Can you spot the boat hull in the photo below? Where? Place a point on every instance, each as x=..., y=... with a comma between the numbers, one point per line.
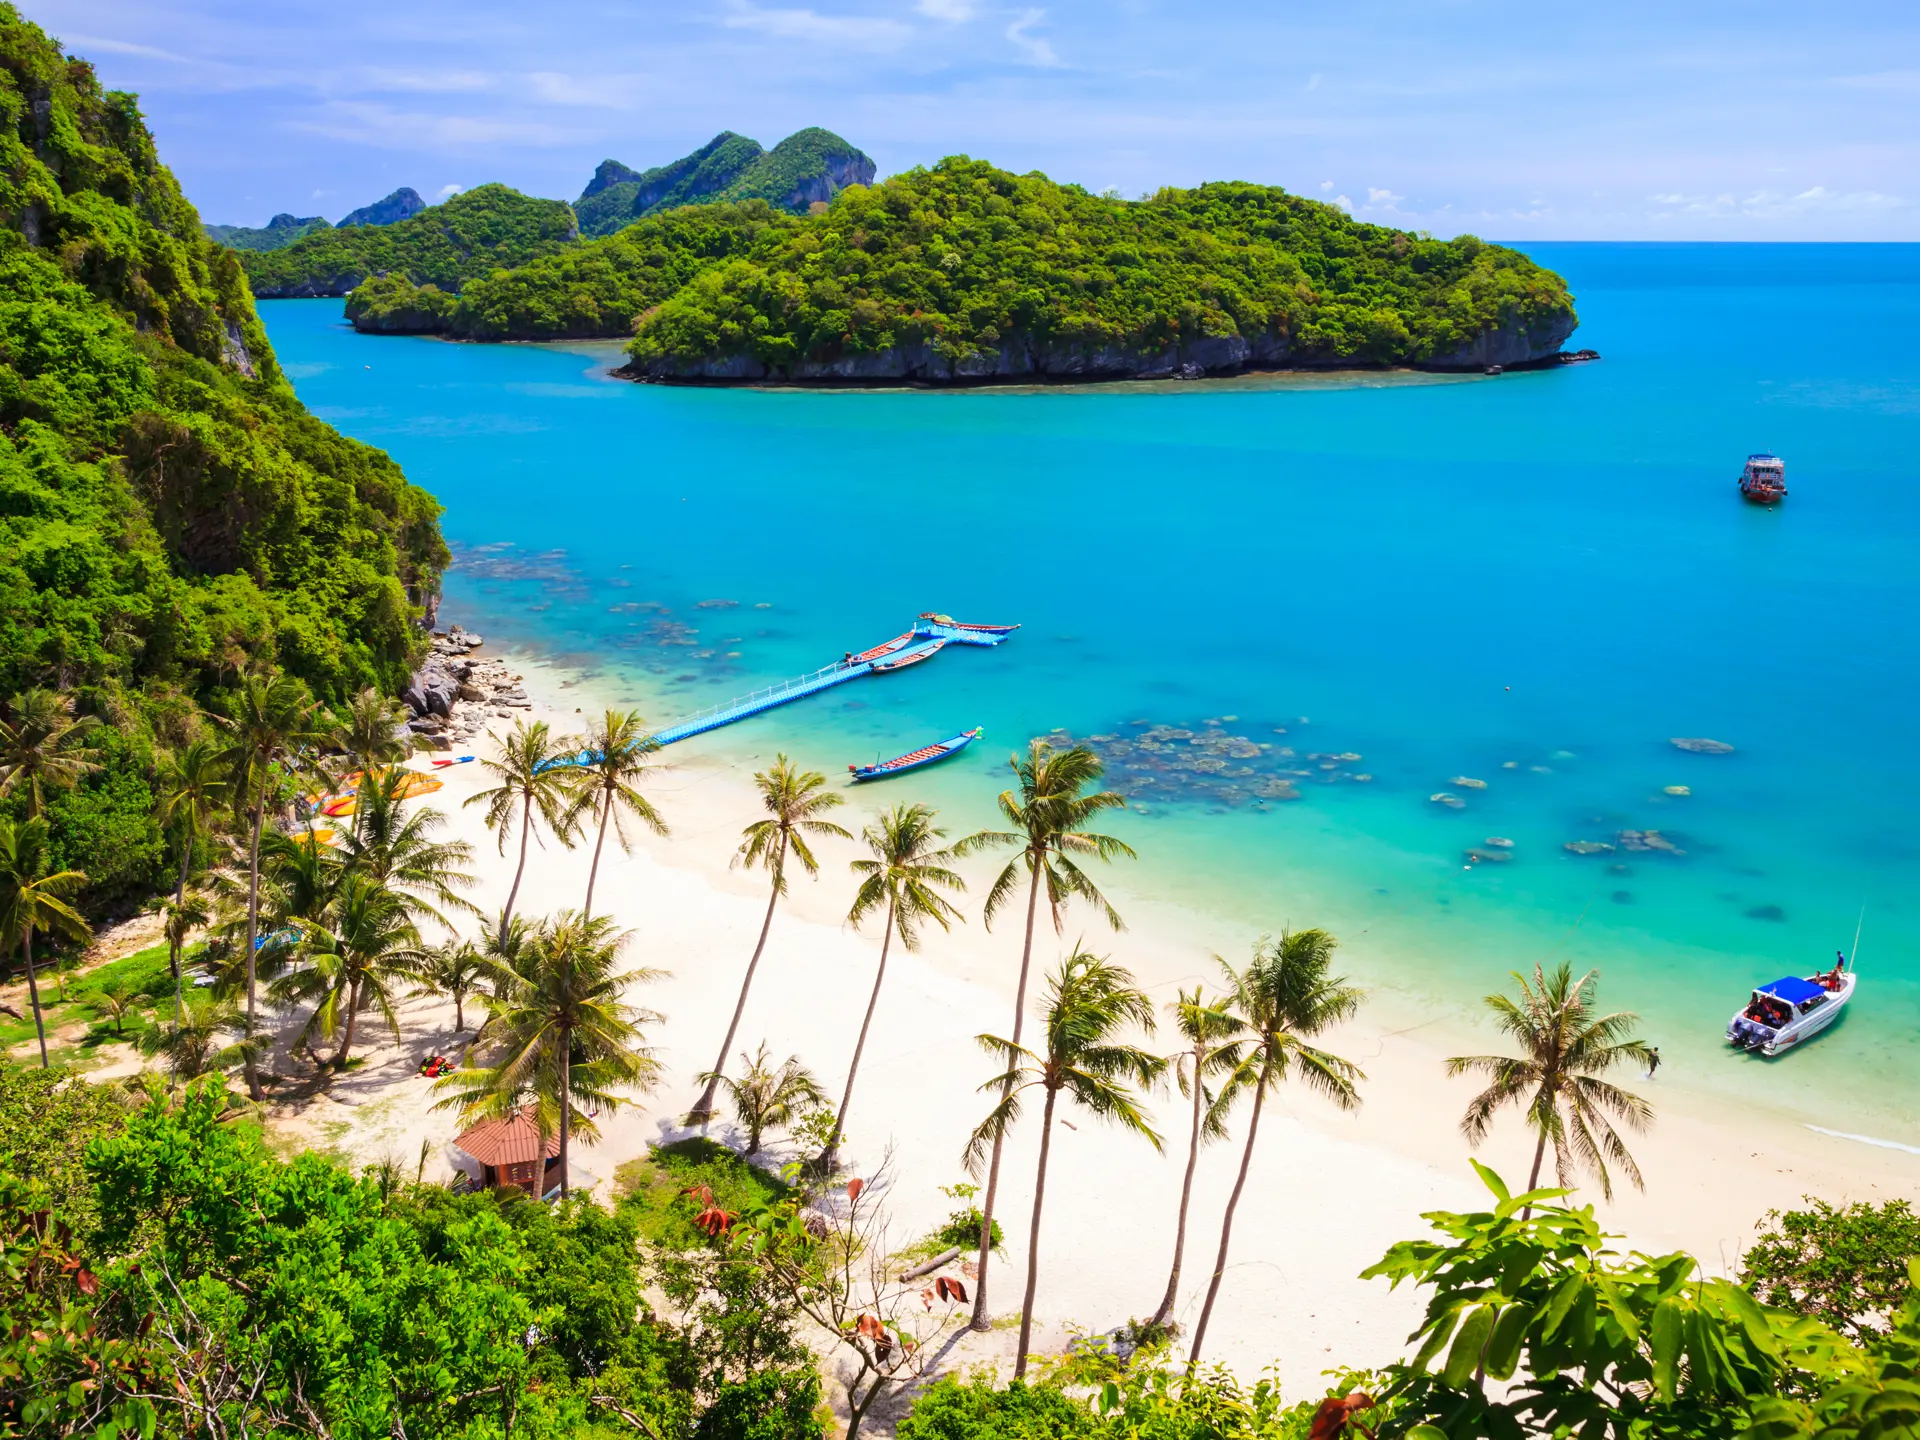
x=916, y=759
x=1803, y=1027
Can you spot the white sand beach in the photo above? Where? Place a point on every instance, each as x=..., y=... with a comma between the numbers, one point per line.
x=1328, y=1192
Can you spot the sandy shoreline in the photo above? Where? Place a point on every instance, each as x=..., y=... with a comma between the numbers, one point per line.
x=1327, y=1193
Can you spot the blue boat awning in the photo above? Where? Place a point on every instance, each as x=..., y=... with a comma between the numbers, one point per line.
x=1792, y=989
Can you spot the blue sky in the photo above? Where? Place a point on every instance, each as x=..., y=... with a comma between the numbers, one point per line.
x=1627, y=120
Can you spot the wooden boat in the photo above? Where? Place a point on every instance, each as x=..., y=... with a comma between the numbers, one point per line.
x=1763, y=481
x=914, y=759
x=914, y=656
x=950, y=623
x=1786, y=1012
x=880, y=651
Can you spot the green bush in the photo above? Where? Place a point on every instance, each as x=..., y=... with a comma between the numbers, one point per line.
x=654, y=1190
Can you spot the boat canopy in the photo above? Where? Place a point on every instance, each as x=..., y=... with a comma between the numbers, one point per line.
x=1793, y=990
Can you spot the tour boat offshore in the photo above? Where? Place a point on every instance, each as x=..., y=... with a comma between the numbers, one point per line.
x=1763, y=481
x=1791, y=1009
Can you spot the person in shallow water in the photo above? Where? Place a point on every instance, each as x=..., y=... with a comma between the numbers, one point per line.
x=1653, y=1060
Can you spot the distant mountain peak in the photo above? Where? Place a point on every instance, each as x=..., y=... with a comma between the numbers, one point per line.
x=809, y=165
x=402, y=204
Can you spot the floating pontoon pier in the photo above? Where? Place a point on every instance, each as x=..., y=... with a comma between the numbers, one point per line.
x=931, y=633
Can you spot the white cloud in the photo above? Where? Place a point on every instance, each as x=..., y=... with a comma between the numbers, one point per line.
x=370, y=123
x=600, y=92
x=428, y=82
x=1773, y=204
x=81, y=43
x=1343, y=202
x=446, y=191
x=955, y=11
x=1038, y=50
x=1326, y=185
x=866, y=32
x=1384, y=199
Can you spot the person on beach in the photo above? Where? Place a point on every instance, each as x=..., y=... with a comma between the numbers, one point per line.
x=1653, y=1060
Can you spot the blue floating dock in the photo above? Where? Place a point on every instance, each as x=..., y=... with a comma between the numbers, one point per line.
x=930, y=634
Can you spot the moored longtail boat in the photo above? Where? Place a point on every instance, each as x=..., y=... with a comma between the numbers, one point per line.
x=912, y=656
x=914, y=759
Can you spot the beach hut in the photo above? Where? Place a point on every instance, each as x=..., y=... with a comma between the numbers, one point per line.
x=511, y=1152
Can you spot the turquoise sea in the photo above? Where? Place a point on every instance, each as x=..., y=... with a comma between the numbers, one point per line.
x=1535, y=580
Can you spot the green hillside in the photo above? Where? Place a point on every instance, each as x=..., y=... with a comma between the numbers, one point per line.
x=445, y=245
x=278, y=233
x=968, y=271
x=172, y=514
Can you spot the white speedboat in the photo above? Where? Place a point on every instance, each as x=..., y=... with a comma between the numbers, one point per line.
x=1791, y=1010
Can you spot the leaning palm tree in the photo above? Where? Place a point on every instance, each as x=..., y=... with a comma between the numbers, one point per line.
x=531, y=779
x=395, y=845
x=196, y=1044
x=34, y=898
x=905, y=875
x=373, y=731
x=1286, y=997
x=363, y=949
x=606, y=785
x=1564, y=1049
x=272, y=719
x=795, y=801
x=1207, y=1025
x=1089, y=1001
x=765, y=1098
x=38, y=748
x=1049, y=810
x=565, y=1041
x=192, y=790
x=454, y=969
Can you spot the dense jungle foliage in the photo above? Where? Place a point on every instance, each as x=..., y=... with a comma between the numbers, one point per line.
x=278, y=233
x=446, y=245
x=170, y=514
x=964, y=256
x=166, y=1274
x=810, y=165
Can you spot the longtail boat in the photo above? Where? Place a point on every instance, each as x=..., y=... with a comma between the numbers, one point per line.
x=880, y=651
x=912, y=656
x=914, y=759
x=949, y=623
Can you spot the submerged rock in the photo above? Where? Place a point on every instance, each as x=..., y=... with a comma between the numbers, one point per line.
x=1499, y=842
x=1463, y=782
x=1452, y=802
x=1696, y=746
x=1587, y=847
x=1678, y=790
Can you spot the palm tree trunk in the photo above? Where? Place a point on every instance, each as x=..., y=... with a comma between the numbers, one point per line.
x=1539, y=1154
x=253, y=932
x=1033, y=1237
x=703, y=1107
x=593, y=873
x=979, y=1320
x=566, y=1119
x=174, y=941
x=830, y=1155
x=526, y=825
x=1226, y=1225
x=1165, y=1312
x=353, y=1014
x=33, y=990
x=459, y=1015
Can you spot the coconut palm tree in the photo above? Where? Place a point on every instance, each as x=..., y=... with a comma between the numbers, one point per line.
x=530, y=781
x=1049, y=809
x=272, y=719
x=454, y=969
x=192, y=790
x=396, y=847
x=196, y=1044
x=764, y=1098
x=117, y=1001
x=606, y=785
x=374, y=731
x=32, y=898
x=1089, y=1001
x=795, y=801
x=564, y=1038
x=364, y=946
x=1286, y=996
x=905, y=874
x=38, y=748
x=1207, y=1025
x=1564, y=1049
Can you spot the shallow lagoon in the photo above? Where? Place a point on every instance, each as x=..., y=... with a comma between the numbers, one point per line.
x=1534, y=580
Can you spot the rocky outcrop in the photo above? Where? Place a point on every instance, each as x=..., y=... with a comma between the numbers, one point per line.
x=454, y=694
x=402, y=204
x=840, y=171
x=1017, y=359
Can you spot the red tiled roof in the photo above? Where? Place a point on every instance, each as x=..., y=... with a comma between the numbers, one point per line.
x=512, y=1141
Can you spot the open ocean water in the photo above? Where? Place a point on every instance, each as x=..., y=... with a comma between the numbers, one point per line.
x=1535, y=581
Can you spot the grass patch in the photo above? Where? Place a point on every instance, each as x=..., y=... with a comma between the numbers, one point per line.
x=143, y=975
x=651, y=1188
